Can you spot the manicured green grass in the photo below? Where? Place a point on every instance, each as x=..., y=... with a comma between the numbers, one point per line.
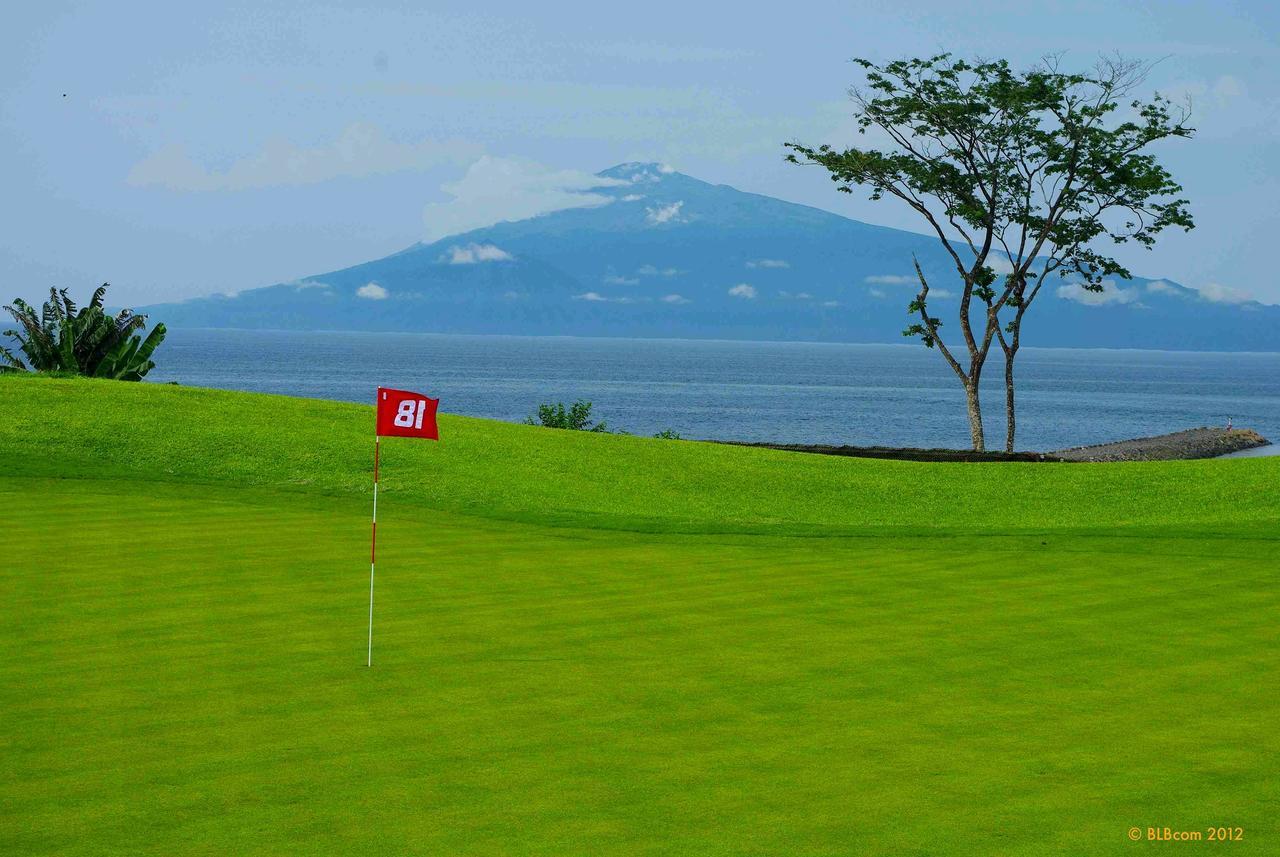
x=513, y=472
x=598, y=645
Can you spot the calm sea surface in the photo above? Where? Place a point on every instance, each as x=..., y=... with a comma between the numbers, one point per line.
x=898, y=395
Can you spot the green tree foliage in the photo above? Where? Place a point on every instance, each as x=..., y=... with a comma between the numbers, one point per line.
x=1020, y=175
x=577, y=417
x=9, y=361
x=83, y=341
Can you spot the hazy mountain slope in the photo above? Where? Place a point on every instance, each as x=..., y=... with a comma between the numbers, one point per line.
x=670, y=255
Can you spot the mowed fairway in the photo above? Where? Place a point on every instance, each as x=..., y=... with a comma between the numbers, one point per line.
x=661, y=661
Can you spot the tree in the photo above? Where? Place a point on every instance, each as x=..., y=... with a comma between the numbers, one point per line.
x=577, y=417
x=1023, y=170
x=84, y=341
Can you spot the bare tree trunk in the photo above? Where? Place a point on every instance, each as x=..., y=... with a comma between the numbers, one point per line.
x=975, y=416
x=1010, y=410
x=928, y=328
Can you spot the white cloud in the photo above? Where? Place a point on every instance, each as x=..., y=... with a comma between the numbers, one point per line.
x=999, y=264
x=596, y=297
x=742, y=290
x=674, y=299
x=511, y=296
x=941, y=294
x=1113, y=294
x=796, y=296
x=1213, y=292
x=1220, y=294
x=615, y=280
x=1110, y=294
x=665, y=213
x=632, y=197
x=768, y=263
x=831, y=303
x=494, y=190
x=1221, y=92
x=372, y=291
x=360, y=150
x=652, y=271
x=473, y=254
x=875, y=293
x=303, y=285
x=890, y=280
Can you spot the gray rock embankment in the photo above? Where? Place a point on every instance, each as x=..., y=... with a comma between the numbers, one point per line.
x=1194, y=443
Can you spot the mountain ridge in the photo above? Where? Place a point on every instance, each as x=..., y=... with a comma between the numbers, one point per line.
x=662, y=254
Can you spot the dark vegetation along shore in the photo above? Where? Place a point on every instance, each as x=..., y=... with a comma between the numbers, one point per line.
x=1182, y=445
x=899, y=453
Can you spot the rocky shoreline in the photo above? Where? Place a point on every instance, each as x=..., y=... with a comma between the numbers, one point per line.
x=1207, y=442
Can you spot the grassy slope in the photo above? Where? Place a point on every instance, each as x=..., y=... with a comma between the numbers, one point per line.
x=518, y=473
x=182, y=668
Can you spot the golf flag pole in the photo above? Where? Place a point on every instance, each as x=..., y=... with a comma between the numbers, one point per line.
x=373, y=539
x=399, y=413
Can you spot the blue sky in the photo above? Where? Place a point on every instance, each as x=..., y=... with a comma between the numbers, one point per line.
x=216, y=147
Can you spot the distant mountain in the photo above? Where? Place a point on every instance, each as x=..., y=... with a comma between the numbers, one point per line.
x=672, y=256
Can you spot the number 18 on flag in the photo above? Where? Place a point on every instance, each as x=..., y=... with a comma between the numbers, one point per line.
x=405, y=414
x=399, y=414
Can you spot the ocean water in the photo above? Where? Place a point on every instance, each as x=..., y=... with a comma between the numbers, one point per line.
x=896, y=395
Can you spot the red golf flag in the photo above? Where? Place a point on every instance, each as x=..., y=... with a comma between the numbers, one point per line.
x=405, y=414
x=399, y=414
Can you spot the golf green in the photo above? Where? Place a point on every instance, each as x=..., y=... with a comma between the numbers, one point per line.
x=610, y=645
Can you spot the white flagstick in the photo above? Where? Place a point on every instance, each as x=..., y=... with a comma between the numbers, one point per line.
x=373, y=541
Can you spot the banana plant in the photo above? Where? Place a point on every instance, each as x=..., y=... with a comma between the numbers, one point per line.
x=131, y=359
x=83, y=341
x=9, y=361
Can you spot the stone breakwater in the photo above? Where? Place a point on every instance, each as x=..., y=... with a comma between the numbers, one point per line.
x=1192, y=443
